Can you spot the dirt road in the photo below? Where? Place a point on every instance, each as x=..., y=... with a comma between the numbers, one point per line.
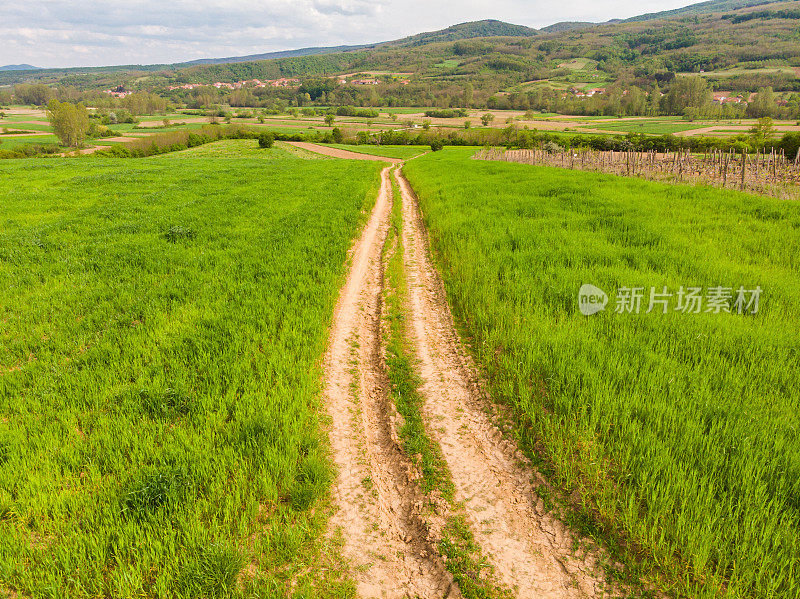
x=385, y=540
x=391, y=551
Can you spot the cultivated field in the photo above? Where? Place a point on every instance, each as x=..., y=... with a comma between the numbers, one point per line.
x=162, y=325
x=673, y=434
x=230, y=371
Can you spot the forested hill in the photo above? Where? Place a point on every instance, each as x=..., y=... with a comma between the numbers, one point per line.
x=462, y=31
x=713, y=6
x=739, y=49
x=762, y=42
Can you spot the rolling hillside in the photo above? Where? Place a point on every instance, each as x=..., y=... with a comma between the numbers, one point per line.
x=750, y=45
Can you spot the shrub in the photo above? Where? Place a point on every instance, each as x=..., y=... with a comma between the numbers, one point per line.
x=173, y=234
x=153, y=490
x=446, y=113
x=436, y=145
x=266, y=140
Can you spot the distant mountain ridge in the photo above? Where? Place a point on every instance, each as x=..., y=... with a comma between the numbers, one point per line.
x=19, y=67
x=281, y=54
x=469, y=30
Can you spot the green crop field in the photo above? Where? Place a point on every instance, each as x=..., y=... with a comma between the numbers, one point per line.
x=646, y=126
x=677, y=433
x=162, y=324
x=26, y=126
x=403, y=110
x=782, y=70
x=12, y=142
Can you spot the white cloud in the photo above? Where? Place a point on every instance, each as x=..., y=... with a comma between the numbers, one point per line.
x=59, y=33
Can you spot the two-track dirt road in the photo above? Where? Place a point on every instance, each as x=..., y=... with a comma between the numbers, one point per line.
x=386, y=541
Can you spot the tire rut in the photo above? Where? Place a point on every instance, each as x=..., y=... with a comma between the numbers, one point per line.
x=385, y=540
x=532, y=552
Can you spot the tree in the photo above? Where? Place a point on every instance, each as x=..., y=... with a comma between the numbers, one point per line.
x=469, y=95
x=329, y=119
x=654, y=101
x=685, y=92
x=266, y=140
x=762, y=131
x=37, y=94
x=487, y=118
x=70, y=122
x=763, y=104
x=436, y=145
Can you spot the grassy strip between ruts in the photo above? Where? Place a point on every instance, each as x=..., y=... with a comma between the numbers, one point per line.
x=463, y=558
x=675, y=434
x=161, y=327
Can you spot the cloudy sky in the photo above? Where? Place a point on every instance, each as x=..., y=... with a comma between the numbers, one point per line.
x=59, y=33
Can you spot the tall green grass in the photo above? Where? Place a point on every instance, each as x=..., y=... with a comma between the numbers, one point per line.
x=677, y=435
x=161, y=329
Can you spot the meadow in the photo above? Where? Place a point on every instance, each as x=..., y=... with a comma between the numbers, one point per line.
x=673, y=435
x=162, y=323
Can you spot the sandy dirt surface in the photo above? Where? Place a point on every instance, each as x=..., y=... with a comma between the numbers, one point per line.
x=378, y=500
x=337, y=153
x=532, y=551
x=33, y=112
x=84, y=151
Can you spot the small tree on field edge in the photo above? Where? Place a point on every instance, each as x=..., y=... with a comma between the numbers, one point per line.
x=70, y=122
x=436, y=145
x=266, y=140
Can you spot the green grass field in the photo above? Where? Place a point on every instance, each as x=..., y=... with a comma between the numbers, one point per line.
x=162, y=325
x=675, y=434
x=233, y=148
x=449, y=63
